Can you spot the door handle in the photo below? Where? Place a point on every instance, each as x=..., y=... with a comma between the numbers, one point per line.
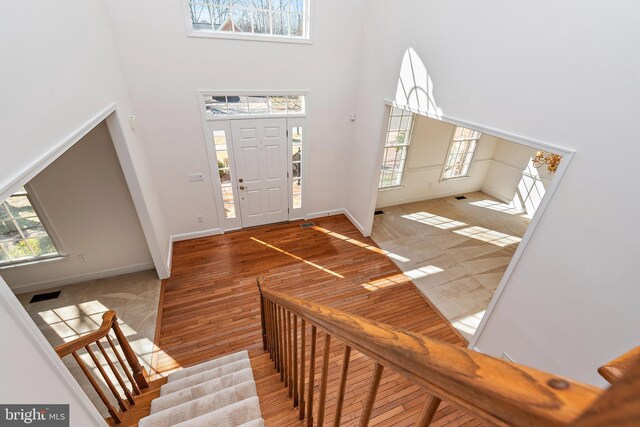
x=242, y=187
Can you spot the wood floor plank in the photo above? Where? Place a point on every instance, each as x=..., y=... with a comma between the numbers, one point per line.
x=211, y=308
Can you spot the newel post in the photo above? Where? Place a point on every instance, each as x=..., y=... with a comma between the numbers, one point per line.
x=139, y=373
x=260, y=282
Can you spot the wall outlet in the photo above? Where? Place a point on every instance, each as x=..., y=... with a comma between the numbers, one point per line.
x=195, y=177
x=199, y=219
x=82, y=257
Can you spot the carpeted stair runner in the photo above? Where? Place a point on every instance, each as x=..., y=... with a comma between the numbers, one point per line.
x=220, y=392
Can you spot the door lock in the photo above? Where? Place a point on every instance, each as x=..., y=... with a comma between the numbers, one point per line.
x=241, y=180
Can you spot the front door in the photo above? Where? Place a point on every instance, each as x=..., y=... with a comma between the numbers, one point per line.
x=260, y=152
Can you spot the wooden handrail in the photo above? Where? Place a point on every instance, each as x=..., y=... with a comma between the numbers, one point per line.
x=135, y=373
x=497, y=391
x=614, y=370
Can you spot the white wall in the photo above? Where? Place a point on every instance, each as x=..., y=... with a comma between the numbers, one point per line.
x=59, y=71
x=560, y=73
x=85, y=198
x=164, y=68
x=506, y=167
x=428, y=150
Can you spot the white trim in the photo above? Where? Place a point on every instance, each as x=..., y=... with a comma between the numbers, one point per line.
x=121, y=145
x=423, y=198
x=170, y=256
x=195, y=235
x=29, y=329
x=439, y=166
x=333, y=212
x=308, y=15
x=70, y=280
x=40, y=164
x=42, y=213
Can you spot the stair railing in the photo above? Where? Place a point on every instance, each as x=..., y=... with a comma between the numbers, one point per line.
x=135, y=373
x=497, y=391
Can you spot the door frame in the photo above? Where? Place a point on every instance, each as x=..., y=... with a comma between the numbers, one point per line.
x=223, y=123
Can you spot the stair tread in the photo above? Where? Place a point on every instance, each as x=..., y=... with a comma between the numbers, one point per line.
x=201, y=406
x=210, y=364
x=200, y=390
x=205, y=376
x=233, y=415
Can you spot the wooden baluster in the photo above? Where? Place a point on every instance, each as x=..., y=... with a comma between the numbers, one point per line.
x=267, y=322
x=112, y=411
x=343, y=384
x=371, y=398
x=274, y=326
x=282, y=340
x=263, y=323
x=295, y=361
x=113, y=388
x=286, y=348
x=289, y=354
x=312, y=374
x=134, y=387
x=127, y=393
x=428, y=411
x=139, y=373
x=323, y=380
x=303, y=350
x=270, y=330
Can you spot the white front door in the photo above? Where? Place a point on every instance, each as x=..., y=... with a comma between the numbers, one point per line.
x=260, y=152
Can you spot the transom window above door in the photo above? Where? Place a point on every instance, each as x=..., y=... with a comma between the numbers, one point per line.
x=226, y=106
x=287, y=20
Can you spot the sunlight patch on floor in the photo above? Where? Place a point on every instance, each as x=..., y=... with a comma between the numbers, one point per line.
x=489, y=236
x=402, y=278
x=319, y=267
x=510, y=208
x=469, y=324
x=440, y=222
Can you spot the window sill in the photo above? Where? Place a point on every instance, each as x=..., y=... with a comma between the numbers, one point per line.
x=395, y=187
x=455, y=178
x=231, y=36
x=34, y=262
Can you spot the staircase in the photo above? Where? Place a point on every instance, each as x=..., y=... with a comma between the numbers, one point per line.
x=220, y=392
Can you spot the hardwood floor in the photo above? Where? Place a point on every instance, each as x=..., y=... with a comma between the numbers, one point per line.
x=210, y=308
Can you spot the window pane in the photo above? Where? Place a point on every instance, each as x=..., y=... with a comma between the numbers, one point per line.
x=225, y=175
x=297, y=170
x=8, y=231
x=216, y=105
x=17, y=250
x=229, y=210
x=297, y=194
x=220, y=16
x=240, y=21
x=296, y=134
x=296, y=25
x=461, y=150
x=238, y=105
x=3, y=257
x=220, y=140
x=295, y=104
x=19, y=206
x=258, y=105
x=223, y=159
x=3, y=211
x=280, y=24
x=296, y=153
x=261, y=22
x=278, y=104
x=200, y=16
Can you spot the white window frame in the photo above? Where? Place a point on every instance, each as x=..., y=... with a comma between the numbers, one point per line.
x=49, y=229
x=466, y=165
x=223, y=123
x=305, y=39
x=409, y=135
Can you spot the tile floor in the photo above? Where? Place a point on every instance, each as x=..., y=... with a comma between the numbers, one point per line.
x=455, y=251
x=79, y=308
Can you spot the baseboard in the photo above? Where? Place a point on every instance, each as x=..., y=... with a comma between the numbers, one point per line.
x=355, y=222
x=195, y=235
x=423, y=198
x=320, y=214
x=33, y=287
x=495, y=195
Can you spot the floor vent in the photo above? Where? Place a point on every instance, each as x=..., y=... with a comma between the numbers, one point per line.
x=378, y=212
x=308, y=224
x=45, y=297
x=460, y=197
